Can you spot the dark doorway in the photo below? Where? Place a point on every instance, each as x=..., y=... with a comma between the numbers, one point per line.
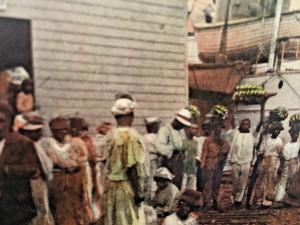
x=15, y=44
x=15, y=51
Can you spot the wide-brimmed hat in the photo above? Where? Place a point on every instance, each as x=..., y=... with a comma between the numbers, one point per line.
x=184, y=116
x=163, y=173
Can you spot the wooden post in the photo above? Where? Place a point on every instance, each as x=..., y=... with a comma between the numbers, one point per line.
x=262, y=111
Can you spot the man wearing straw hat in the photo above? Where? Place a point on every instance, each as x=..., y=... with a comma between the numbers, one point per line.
x=170, y=144
x=166, y=192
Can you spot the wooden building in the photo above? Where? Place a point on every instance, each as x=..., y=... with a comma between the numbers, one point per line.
x=82, y=52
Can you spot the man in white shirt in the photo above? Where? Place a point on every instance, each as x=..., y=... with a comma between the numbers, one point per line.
x=240, y=157
x=152, y=158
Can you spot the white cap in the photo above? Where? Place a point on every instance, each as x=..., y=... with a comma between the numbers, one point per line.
x=184, y=116
x=163, y=172
x=123, y=106
x=152, y=120
x=30, y=126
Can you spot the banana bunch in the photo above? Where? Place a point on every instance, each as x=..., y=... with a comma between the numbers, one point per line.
x=219, y=110
x=279, y=114
x=295, y=118
x=195, y=112
x=295, y=122
x=248, y=90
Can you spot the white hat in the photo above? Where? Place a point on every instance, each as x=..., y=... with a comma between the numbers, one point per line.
x=164, y=173
x=123, y=106
x=184, y=116
x=30, y=126
x=152, y=120
x=34, y=122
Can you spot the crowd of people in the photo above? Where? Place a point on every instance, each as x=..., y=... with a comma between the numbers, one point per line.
x=119, y=177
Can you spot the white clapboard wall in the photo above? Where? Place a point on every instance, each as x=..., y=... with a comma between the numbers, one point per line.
x=84, y=51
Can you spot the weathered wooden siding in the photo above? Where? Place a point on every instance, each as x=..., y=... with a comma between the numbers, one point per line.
x=84, y=51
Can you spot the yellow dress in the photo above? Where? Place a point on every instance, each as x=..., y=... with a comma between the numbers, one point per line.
x=124, y=150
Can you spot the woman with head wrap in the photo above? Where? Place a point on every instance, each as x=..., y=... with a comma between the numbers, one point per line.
x=290, y=158
x=68, y=195
x=270, y=149
x=125, y=172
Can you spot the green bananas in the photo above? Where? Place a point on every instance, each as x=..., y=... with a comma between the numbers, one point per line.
x=219, y=110
x=194, y=110
x=248, y=90
x=295, y=118
x=279, y=113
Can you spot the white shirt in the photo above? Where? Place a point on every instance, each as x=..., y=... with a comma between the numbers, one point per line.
x=174, y=220
x=271, y=146
x=291, y=150
x=45, y=160
x=150, y=141
x=2, y=142
x=60, y=154
x=168, y=140
x=200, y=140
x=241, y=150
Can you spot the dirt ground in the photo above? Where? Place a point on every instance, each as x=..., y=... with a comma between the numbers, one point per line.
x=284, y=216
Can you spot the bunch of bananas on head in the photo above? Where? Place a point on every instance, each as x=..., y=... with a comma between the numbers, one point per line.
x=248, y=90
x=195, y=112
x=279, y=114
x=295, y=122
x=219, y=111
x=295, y=118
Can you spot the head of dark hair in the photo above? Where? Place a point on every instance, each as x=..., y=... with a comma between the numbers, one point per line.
x=246, y=120
x=26, y=82
x=59, y=122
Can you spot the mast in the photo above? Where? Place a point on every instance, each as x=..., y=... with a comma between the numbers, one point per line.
x=223, y=43
x=275, y=35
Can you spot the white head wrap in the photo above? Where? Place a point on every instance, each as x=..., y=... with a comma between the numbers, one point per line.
x=123, y=106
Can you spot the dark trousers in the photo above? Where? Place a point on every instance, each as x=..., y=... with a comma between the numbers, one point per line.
x=199, y=177
x=212, y=182
x=175, y=165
